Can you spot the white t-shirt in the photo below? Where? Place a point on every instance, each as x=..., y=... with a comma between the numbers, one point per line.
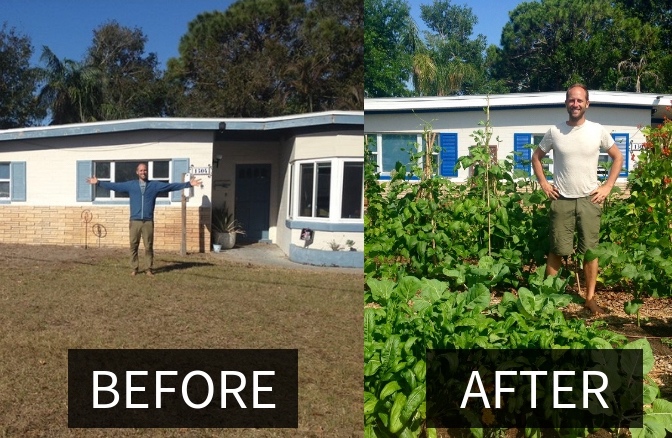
x=576, y=151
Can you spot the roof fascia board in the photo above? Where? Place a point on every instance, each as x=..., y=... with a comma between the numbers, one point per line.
x=424, y=104
x=274, y=123
x=503, y=107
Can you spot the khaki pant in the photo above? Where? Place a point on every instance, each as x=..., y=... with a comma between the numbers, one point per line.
x=570, y=214
x=144, y=229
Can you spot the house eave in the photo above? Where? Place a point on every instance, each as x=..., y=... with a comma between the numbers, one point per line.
x=188, y=124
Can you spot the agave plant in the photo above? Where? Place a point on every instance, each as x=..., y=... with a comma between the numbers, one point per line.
x=224, y=222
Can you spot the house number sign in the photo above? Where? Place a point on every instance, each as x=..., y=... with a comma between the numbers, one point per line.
x=203, y=170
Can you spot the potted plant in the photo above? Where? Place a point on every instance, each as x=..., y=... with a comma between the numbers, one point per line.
x=224, y=228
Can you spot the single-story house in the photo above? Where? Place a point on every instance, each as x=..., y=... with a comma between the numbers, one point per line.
x=518, y=121
x=295, y=181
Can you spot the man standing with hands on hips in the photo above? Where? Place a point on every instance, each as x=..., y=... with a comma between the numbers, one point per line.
x=577, y=195
x=142, y=193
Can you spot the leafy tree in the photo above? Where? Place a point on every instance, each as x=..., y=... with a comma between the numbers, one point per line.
x=232, y=62
x=389, y=34
x=656, y=13
x=72, y=90
x=130, y=79
x=614, y=45
x=115, y=81
x=18, y=81
x=451, y=62
x=328, y=72
x=549, y=44
x=646, y=58
x=266, y=58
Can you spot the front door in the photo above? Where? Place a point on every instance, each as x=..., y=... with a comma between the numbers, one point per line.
x=253, y=200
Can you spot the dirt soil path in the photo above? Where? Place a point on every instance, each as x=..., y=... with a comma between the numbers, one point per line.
x=655, y=326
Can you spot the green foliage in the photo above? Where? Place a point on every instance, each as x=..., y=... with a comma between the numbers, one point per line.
x=426, y=226
x=312, y=55
x=544, y=50
x=18, y=81
x=387, y=60
x=130, y=81
x=72, y=90
x=435, y=252
x=651, y=187
x=402, y=319
x=636, y=249
x=224, y=222
x=117, y=80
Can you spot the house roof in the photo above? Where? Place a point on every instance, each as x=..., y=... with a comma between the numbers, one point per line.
x=556, y=98
x=307, y=120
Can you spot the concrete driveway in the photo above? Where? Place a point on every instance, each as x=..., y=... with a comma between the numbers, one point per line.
x=269, y=254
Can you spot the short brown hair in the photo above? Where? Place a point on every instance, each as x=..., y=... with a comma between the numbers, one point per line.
x=579, y=85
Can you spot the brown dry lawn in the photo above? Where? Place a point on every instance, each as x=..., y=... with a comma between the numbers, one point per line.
x=55, y=298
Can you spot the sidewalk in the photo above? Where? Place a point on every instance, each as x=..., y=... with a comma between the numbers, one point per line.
x=269, y=254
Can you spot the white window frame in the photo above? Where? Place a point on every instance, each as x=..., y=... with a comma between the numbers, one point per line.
x=536, y=139
x=335, y=194
x=379, y=154
x=150, y=176
x=7, y=180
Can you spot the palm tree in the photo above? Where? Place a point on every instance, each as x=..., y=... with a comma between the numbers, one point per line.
x=639, y=70
x=433, y=75
x=72, y=90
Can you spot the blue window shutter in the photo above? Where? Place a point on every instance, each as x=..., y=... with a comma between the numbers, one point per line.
x=84, y=189
x=448, y=145
x=18, y=182
x=180, y=166
x=519, y=143
x=623, y=143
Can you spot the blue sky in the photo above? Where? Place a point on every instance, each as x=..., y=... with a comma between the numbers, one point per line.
x=492, y=15
x=66, y=26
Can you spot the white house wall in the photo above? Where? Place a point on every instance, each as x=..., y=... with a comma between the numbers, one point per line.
x=51, y=162
x=346, y=145
x=328, y=145
x=51, y=213
x=284, y=233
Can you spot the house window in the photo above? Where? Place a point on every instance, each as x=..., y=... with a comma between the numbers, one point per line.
x=523, y=147
x=353, y=181
x=332, y=189
x=121, y=171
x=372, y=145
x=12, y=181
x=315, y=189
x=622, y=141
x=5, y=180
x=397, y=148
x=547, y=161
x=435, y=153
x=388, y=149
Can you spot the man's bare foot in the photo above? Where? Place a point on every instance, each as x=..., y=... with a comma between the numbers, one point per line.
x=593, y=307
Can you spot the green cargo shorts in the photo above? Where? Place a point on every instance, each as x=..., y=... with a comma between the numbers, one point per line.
x=570, y=214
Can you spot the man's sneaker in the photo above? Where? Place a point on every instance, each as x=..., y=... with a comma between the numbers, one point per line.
x=134, y=273
x=149, y=273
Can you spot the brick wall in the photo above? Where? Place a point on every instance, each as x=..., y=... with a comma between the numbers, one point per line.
x=68, y=226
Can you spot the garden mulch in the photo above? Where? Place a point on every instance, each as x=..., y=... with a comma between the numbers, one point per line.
x=655, y=325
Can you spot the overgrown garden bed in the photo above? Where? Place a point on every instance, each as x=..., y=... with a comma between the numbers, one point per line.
x=460, y=266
